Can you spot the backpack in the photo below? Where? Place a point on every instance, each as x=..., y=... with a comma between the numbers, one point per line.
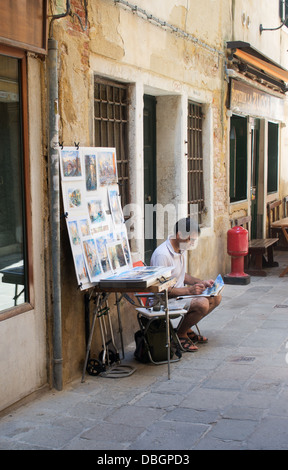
x=141, y=351
x=156, y=338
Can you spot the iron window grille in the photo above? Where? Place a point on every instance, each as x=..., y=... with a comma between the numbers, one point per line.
x=111, y=126
x=195, y=161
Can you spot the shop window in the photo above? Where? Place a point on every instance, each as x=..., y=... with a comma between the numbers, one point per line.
x=272, y=179
x=111, y=126
x=238, y=159
x=13, y=223
x=195, y=160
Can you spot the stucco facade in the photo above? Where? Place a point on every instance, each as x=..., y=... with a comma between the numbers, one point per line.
x=175, y=51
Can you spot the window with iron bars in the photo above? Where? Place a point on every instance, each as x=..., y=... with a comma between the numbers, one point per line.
x=195, y=161
x=111, y=126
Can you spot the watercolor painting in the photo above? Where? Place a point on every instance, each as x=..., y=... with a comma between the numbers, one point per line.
x=96, y=211
x=101, y=243
x=122, y=236
x=90, y=172
x=81, y=269
x=73, y=230
x=74, y=198
x=71, y=163
x=116, y=255
x=91, y=257
x=115, y=207
x=84, y=227
x=107, y=167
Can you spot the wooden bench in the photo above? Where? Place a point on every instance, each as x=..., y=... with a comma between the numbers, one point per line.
x=257, y=248
x=274, y=214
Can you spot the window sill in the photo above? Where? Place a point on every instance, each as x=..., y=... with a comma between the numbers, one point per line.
x=14, y=311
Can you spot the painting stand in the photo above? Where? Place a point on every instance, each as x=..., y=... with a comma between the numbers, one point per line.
x=100, y=247
x=158, y=290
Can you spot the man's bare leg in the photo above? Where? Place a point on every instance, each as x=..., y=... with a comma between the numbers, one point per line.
x=199, y=308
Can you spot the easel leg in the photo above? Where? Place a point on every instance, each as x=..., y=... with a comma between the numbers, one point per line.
x=167, y=332
x=90, y=338
x=120, y=324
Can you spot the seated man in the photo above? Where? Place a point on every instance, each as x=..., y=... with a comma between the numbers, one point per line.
x=173, y=253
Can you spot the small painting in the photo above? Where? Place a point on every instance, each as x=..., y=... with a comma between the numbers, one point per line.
x=84, y=227
x=90, y=172
x=71, y=164
x=91, y=256
x=81, y=269
x=116, y=255
x=101, y=243
x=74, y=198
x=107, y=167
x=96, y=211
x=74, y=234
x=122, y=236
x=115, y=207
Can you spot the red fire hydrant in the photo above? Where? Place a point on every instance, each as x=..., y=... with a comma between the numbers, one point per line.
x=237, y=248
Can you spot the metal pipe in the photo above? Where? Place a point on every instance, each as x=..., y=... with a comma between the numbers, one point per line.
x=54, y=191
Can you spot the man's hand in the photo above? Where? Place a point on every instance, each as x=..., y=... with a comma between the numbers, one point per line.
x=209, y=283
x=196, y=288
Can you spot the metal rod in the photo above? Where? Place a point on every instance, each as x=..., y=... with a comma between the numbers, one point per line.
x=54, y=188
x=120, y=324
x=90, y=337
x=167, y=331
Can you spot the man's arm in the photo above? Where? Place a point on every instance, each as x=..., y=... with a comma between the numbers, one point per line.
x=196, y=289
x=194, y=286
x=190, y=280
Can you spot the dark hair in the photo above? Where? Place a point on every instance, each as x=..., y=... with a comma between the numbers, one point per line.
x=186, y=226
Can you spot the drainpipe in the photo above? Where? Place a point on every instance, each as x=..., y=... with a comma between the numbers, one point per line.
x=54, y=185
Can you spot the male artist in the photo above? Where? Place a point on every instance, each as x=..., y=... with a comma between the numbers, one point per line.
x=173, y=252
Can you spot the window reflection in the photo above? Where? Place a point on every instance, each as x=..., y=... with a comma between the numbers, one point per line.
x=12, y=243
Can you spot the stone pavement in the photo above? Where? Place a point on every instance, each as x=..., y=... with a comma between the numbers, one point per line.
x=232, y=394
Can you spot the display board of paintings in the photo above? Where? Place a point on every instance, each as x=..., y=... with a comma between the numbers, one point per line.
x=94, y=216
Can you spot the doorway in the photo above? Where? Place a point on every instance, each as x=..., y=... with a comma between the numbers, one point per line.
x=150, y=174
x=255, y=179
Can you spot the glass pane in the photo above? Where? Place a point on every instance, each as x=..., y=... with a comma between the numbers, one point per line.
x=12, y=242
x=272, y=183
x=238, y=159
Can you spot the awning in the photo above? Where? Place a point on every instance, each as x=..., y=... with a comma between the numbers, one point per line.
x=259, y=64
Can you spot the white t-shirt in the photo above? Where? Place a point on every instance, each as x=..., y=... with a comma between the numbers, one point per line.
x=165, y=255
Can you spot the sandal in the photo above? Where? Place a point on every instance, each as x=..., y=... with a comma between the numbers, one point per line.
x=197, y=338
x=187, y=345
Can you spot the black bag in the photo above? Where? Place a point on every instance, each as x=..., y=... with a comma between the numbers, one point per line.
x=156, y=339
x=141, y=351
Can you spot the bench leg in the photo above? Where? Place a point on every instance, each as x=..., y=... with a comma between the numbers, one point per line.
x=271, y=263
x=255, y=268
